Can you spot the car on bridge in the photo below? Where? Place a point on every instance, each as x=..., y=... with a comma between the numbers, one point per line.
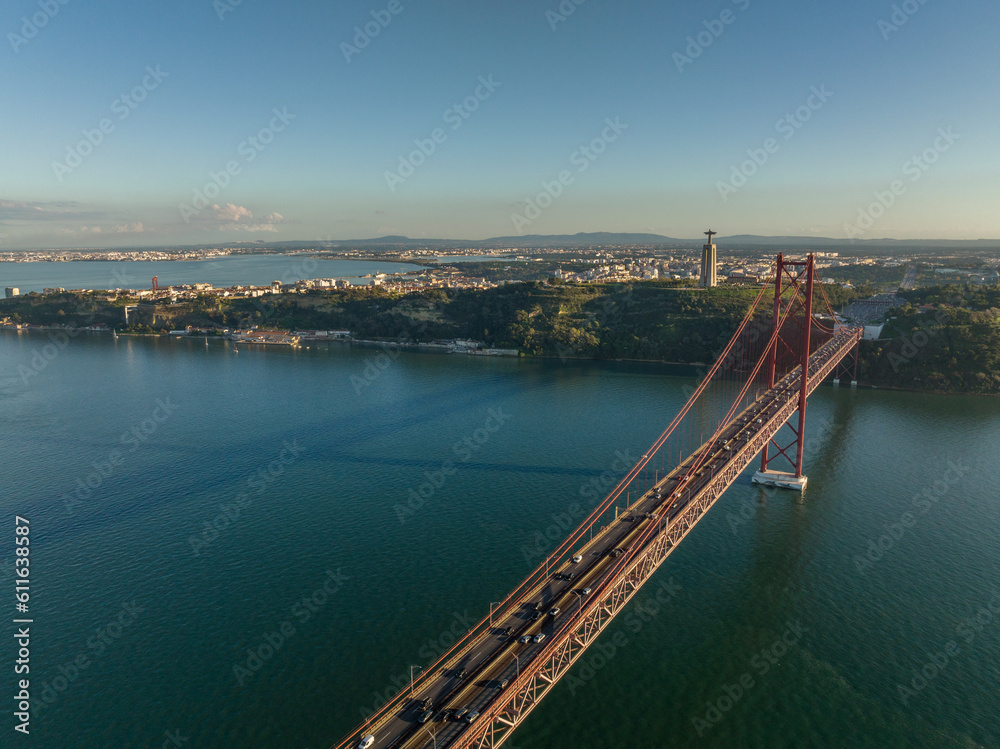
x=425, y=716
x=525, y=640
x=471, y=717
x=366, y=742
x=539, y=637
x=577, y=559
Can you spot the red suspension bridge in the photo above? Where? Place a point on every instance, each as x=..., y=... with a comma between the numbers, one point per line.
x=752, y=402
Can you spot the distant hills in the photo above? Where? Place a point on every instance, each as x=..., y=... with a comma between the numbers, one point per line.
x=591, y=239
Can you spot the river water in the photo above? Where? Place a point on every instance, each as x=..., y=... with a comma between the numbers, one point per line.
x=231, y=270
x=222, y=550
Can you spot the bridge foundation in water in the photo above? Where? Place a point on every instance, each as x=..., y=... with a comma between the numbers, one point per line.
x=780, y=479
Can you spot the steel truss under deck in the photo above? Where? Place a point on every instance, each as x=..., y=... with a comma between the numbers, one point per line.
x=515, y=703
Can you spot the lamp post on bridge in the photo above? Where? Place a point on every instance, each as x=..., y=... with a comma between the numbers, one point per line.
x=411, y=678
x=433, y=737
x=492, y=604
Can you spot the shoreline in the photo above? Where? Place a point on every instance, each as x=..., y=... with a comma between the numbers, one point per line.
x=439, y=348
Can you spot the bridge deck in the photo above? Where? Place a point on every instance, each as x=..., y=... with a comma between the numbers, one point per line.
x=507, y=677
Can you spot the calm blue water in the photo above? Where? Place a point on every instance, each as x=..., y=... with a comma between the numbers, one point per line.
x=312, y=467
x=232, y=270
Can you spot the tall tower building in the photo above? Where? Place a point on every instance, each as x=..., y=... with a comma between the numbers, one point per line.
x=708, y=278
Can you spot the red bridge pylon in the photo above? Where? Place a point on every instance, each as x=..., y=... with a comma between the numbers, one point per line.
x=793, y=291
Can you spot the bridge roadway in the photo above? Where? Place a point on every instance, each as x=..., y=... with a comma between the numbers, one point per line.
x=493, y=659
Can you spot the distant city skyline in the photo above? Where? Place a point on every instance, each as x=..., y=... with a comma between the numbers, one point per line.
x=214, y=123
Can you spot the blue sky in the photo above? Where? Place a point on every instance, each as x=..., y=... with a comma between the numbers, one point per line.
x=698, y=94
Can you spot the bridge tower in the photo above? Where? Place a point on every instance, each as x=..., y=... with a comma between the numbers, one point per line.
x=795, y=278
